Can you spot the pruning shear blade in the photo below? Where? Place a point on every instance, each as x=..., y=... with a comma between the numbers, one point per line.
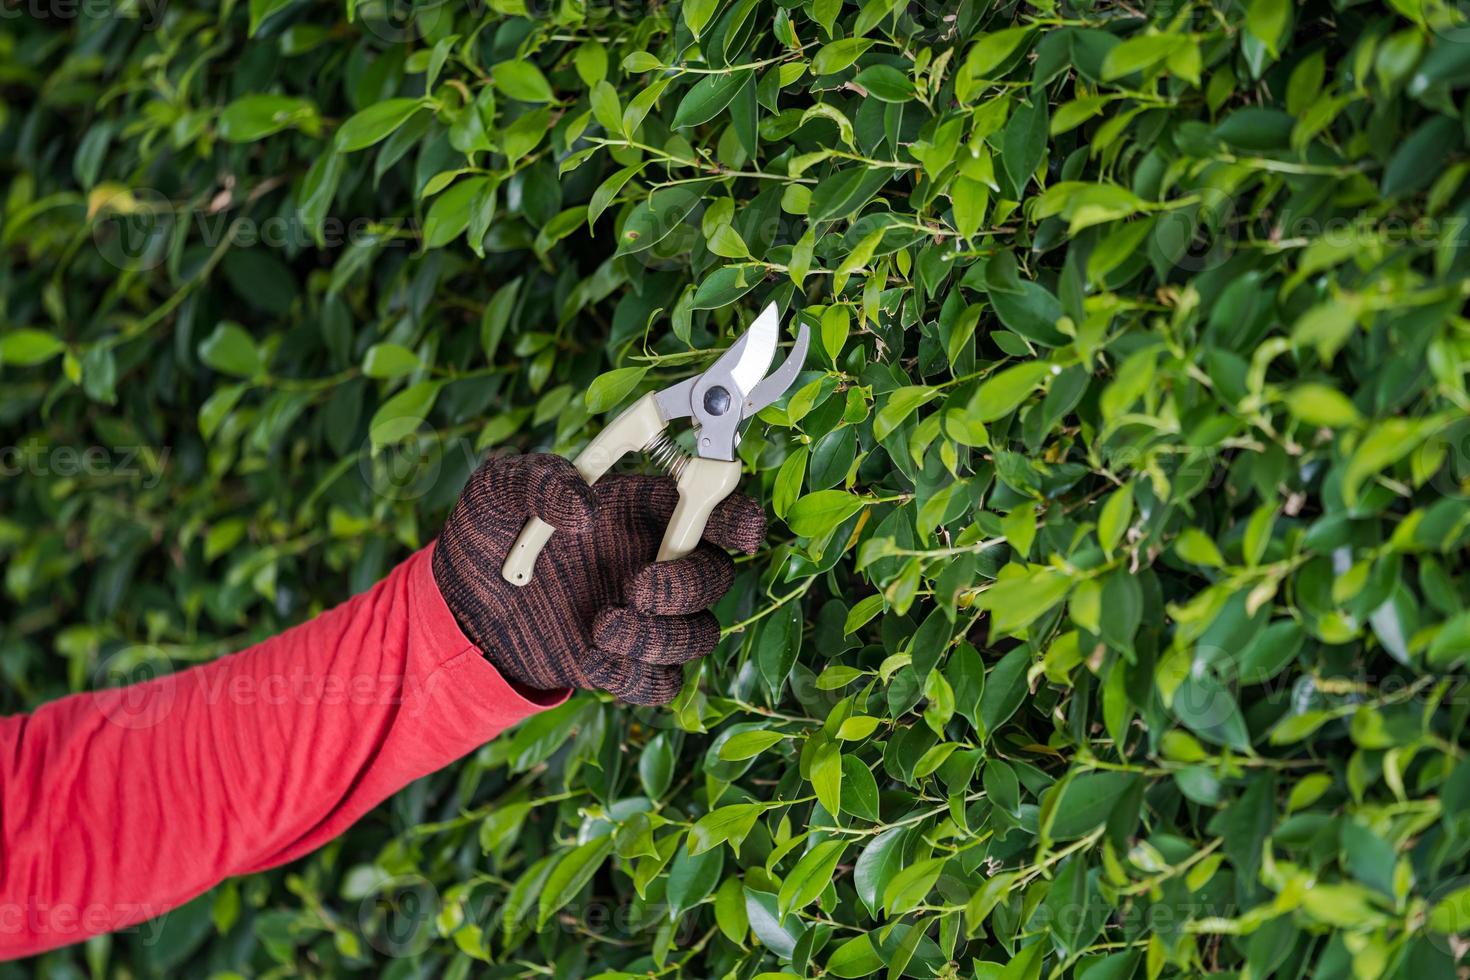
x=735, y=387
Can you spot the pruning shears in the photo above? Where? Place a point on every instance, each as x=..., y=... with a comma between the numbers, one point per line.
x=734, y=388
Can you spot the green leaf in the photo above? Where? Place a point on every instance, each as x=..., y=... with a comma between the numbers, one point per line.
x=1208, y=709
x=1451, y=914
x=886, y=83
x=1024, y=144
x=708, y=97
x=640, y=61
x=1002, y=393
x=570, y=875
x=727, y=824
x=697, y=14
x=730, y=913
x=1015, y=602
x=522, y=81
x=1004, y=689
x=837, y=55
x=986, y=898
x=260, y=10
x=452, y=211
x=590, y=60
x=230, y=350
x=1002, y=787
x=748, y=745
x=812, y=874
x=788, y=482
x=859, y=788
x=774, y=933
x=827, y=776
x=1451, y=643
x=27, y=347
x=1319, y=405
x=1113, y=520
x=970, y=198
x=855, y=958
x=217, y=408
x=819, y=512
x=991, y=50
x=911, y=885
x=692, y=878
x=317, y=192
x=257, y=116
x=1139, y=53
x=901, y=403
x=1032, y=312
x=941, y=702
x=824, y=12
x=389, y=361
x=1295, y=727
x=857, y=259
x=1327, y=326
x=778, y=647
x=1432, y=140
x=403, y=414
x=656, y=218
x=836, y=325
x=1085, y=802
x=1275, y=647
x=1385, y=444
x=375, y=123
x=656, y=766
x=723, y=287
x=609, y=389
x=1194, y=546
x=497, y=317
x=877, y=865
x=1267, y=20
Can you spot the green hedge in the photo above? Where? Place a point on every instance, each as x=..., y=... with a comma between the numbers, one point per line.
x=1114, y=613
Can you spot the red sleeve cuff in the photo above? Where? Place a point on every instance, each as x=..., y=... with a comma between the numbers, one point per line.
x=457, y=652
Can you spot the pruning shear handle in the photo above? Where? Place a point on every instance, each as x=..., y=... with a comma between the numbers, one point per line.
x=733, y=389
x=702, y=483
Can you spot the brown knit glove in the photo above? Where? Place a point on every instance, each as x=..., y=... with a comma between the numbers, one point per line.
x=599, y=612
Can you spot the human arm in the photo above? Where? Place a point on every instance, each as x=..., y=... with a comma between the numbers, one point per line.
x=118, y=805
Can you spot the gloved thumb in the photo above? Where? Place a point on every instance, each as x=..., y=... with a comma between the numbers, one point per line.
x=540, y=484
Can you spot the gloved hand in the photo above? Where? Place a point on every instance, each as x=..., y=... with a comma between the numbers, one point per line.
x=599, y=612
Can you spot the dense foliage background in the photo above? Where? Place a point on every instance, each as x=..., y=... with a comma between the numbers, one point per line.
x=1114, y=616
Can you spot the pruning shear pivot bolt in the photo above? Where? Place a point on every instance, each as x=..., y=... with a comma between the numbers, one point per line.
x=733, y=389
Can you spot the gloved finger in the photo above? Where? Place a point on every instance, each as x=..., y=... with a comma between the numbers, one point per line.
x=540, y=484
x=626, y=633
x=632, y=681
x=684, y=585
x=738, y=523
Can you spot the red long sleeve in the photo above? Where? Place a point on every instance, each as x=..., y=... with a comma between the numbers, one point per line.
x=118, y=805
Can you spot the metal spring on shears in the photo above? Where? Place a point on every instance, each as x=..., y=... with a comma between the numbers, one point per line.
x=667, y=455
